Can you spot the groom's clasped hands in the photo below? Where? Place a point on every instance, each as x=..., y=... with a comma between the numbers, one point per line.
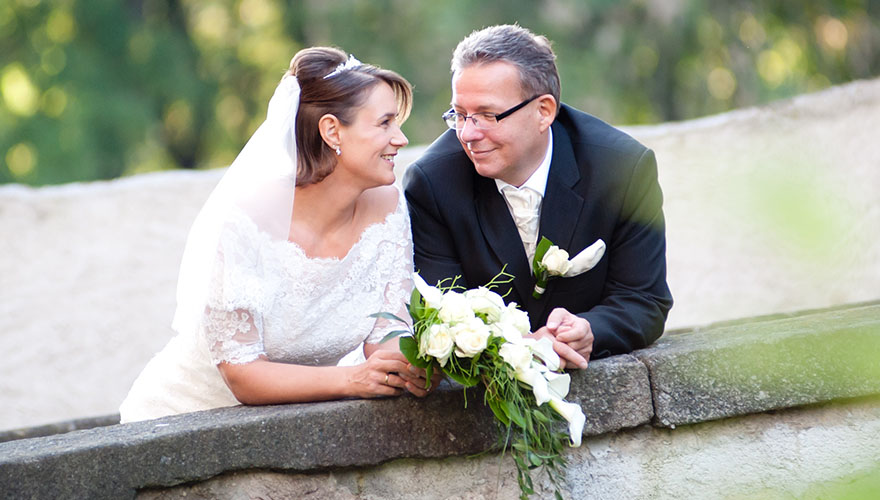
x=571, y=335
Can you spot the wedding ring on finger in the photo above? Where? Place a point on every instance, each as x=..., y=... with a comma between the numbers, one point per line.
x=386, y=378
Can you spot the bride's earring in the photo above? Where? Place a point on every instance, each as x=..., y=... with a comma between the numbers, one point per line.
x=338, y=150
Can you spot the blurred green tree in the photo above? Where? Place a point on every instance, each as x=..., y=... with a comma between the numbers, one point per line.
x=96, y=90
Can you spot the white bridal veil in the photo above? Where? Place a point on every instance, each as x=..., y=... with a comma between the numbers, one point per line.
x=260, y=185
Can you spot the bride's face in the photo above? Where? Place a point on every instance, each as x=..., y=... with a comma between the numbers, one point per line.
x=371, y=142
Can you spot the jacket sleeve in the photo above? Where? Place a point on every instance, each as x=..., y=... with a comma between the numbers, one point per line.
x=434, y=253
x=635, y=299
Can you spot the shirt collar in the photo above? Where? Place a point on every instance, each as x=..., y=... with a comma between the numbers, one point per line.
x=538, y=180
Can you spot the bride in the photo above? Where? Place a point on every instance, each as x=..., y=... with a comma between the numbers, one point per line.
x=303, y=238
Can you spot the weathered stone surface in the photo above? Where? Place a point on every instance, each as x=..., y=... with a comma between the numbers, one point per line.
x=59, y=427
x=614, y=393
x=756, y=366
x=813, y=452
x=112, y=462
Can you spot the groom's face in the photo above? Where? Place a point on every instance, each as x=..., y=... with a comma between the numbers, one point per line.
x=513, y=149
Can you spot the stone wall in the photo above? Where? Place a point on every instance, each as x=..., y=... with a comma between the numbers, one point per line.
x=775, y=407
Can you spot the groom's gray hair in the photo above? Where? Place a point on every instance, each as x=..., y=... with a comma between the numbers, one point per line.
x=511, y=43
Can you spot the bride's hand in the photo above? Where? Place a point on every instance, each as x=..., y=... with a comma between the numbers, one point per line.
x=378, y=376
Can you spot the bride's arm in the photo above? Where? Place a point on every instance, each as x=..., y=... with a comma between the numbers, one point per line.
x=266, y=382
x=396, y=293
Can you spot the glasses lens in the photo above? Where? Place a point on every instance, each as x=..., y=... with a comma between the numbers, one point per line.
x=452, y=119
x=484, y=121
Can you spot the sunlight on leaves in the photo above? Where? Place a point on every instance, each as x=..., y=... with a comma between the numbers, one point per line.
x=259, y=13
x=751, y=32
x=53, y=60
x=19, y=93
x=54, y=102
x=211, y=24
x=772, y=67
x=178, y=119
x=60, y=26
x=230, y=112
x=721, y=83
x=21, y=159
x=832, y=33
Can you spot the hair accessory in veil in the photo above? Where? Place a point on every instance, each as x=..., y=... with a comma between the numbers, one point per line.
x=351, y=63
x=258, y=185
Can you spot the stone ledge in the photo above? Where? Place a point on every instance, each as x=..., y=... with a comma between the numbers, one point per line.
x=58, y=427
x=614, y=394
x=688, y=377
x=756, y=366
x=117, y=460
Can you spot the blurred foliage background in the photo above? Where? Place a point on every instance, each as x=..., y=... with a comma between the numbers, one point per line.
x=101, y=89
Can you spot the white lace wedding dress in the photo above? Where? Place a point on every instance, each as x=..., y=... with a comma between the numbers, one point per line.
x=317, y=312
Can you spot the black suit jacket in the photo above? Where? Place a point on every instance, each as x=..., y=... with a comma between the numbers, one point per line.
x=602, y=184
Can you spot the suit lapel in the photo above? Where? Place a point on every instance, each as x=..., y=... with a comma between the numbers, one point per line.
x=500, y=231
x=562, y=206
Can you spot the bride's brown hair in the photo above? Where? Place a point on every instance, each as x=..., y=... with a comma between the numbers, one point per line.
x=339, y=95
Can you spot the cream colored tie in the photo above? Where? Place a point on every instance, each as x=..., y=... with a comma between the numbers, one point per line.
x=525, y=207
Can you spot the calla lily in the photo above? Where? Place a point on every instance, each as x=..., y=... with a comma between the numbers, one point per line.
x=586, y=259
x=575, y=417
x=543, y=349
x=557, y=383
x=535, y=379
x=432, y=295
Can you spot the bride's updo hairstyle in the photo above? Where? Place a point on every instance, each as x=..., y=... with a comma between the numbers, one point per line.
x=339, y=94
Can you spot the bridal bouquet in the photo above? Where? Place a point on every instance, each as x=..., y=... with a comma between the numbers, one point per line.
x=474, y=338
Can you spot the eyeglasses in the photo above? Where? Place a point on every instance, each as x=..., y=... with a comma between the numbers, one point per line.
x=483, y=121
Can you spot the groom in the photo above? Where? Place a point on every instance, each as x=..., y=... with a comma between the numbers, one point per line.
x=517, y=166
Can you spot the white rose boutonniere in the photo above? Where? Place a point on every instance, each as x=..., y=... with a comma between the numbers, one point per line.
x=551, y=261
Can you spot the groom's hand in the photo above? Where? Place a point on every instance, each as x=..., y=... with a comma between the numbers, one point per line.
x=572, y=337
x=416, y=380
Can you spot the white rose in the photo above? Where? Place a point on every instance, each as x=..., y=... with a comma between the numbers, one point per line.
x=438, y=342
x=454, y=308
x=556, y=261
x=486, y=302
x=517, y=356
x=517, y=318
x=471, y=337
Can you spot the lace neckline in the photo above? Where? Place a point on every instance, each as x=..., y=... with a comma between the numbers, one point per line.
x=371, y=227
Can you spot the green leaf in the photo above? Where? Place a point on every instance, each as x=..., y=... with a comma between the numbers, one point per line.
x=410, y=348
x=540, y=250
x=534, y=459
x=515, y=414
x=539, y=416
x=391, y=335
x=461, y=378
x=386, y=315
x=499, y=412
x=429, y=370
x=416, y=305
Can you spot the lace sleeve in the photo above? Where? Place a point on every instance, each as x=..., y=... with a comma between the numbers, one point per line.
x=398, y=245
x=239, y=295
